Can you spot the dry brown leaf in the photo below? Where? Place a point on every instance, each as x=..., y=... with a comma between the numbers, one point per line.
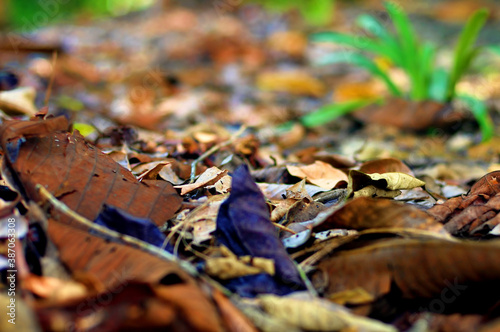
x=294, y=82
x=79, y=174
x=415, y=269
x=478, y=209
x=293, y=43
x=365, y=213
x=209, y=177
x=407, y=114
x=321, y=174
x=385, y=166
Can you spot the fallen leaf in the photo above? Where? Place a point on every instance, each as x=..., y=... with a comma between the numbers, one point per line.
x=366, y=213
x=294, y=82
x=385, y=166
x=407, y=114
x=416, y=269
x=244, y=227
x=80, y=175
x=321, y=174
x=317, y=314
x=209, y=177
x=19, y=101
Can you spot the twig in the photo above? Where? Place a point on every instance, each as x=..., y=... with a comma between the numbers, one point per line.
x=63, y=208
x=283, y=228
x=51, y=81
x=212, y=150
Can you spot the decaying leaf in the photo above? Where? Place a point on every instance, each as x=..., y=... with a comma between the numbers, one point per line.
x=477, y=212
x=321, y=174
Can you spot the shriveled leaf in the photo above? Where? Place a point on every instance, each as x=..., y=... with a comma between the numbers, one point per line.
x=475, y=212
x=244, y=227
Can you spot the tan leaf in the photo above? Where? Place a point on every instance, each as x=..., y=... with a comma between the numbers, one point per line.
x=321, y=174
x=316, y=314
x=209, y=177
x=231, y=266
x=384, y=182
x=20, y=100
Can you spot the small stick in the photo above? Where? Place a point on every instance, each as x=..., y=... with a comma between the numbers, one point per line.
x=51, y=81
x=63, y=208
x=283, y=228
x=212, y=150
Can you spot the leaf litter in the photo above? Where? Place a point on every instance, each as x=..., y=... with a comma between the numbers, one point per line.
x=179, y=186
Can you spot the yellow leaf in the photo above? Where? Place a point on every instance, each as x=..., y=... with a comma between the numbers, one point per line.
x=294, y=82
x=396, y=180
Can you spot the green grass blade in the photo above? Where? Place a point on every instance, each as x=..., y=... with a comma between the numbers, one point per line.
x=408, y=42
x=495, y=49
x=438, y=85
x=387, y=41
x=464, y=48
x=364, y=62
x=480, y=112
x=331, y=112
x=427, y=57
x=360, y=43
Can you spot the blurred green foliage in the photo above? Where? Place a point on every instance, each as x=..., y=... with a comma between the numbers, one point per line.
x=315, y=12
x=28, y=15
x=416, y=59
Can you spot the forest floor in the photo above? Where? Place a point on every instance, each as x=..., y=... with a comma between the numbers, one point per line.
x=158, y=173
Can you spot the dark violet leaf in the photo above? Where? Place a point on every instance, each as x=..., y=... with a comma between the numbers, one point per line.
x=122, y=222
x=244, y=227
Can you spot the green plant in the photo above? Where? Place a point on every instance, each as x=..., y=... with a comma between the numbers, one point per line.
x=417, y=59
x=315, y=12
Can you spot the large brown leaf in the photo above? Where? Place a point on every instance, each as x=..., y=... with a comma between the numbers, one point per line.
x=365, y=213
x=416, y=269
x=79, y=174
x=407, y=114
